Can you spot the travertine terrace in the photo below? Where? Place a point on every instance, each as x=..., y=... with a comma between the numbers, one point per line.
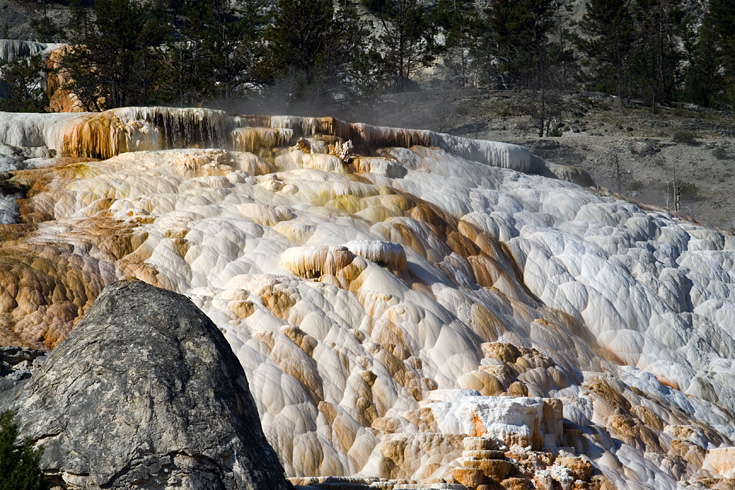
x=421, y=308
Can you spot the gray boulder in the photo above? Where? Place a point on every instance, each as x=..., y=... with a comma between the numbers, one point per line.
x=145, y=393
x=17, y=364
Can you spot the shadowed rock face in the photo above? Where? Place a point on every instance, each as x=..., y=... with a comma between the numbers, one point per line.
x=146, y=393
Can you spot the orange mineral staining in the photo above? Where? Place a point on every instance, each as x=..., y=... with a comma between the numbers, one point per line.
x=388, y=303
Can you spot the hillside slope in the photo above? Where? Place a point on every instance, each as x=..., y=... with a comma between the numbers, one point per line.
x=694, y=145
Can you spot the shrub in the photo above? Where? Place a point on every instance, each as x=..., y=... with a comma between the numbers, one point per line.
x=19, y=465
x=505, y=110
x=555, y=132
x=720, y=153
x=684, y=137
x=688, y=188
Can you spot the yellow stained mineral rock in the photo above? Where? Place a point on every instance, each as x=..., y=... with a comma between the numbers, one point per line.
x=469, y=477
x=722, y=460
x=580, y=467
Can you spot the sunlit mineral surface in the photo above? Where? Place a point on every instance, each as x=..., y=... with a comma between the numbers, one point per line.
x=407, y=305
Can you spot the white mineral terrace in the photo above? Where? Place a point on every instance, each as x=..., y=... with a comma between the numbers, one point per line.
x=426, y=288
x=13, y=49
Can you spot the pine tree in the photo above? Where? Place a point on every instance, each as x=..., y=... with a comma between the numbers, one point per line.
x=722, y=22
x=704, y=79
x=301, y=38
x=115, y=55
x=563, y=58
x=46, y=29
x=632, y=48
x=312, y=45
x=521, y=42
x=519, y=37
x=656, y=57
x=462, y=25
x=19, y=466
x=23, y=85
x=45, y=26
x=215, y=48
x=405, y=41
x=722, y=18
x=607, y=42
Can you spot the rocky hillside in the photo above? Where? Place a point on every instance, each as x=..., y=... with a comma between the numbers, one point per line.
x=630, y=150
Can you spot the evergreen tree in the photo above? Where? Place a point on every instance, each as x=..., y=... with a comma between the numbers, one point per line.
x=301, y=38
x=19, y=466
x=722, y=18
x=656, y=57
x=216, y=48
x=704, y=81
x=519, y=38
x=116, y=55
x=563, y=59
x=607, y=42
x=632, y=48
x=313, y=45
x=45, y=26
x=722, y=25
x=23, y=84
x=46, y=29
x=527, y=58
x=405, y=40
x=462, y=26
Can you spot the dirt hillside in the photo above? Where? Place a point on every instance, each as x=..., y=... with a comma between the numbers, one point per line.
x=632, y=150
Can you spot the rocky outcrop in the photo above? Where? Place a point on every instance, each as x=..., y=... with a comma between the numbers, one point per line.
x=17, y=364
x=146, y=393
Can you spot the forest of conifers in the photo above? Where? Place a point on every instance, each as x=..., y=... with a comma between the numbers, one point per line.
x=132, y=52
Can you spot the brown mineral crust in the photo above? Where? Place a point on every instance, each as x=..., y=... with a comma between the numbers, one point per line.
x=48, y=284
x=469, y=477
x=580, y=468
x=44, y=290
x=497, y=469
x=515, y=484
x=478, y=444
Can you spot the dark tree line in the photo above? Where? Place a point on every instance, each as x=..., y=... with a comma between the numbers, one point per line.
x=127, y=52
x=711, y=77
x=633, y=48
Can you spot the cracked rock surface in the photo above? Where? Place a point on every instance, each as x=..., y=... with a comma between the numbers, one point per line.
x=145, y=393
